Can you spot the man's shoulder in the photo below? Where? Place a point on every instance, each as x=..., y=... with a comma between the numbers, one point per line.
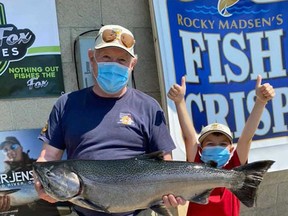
x=139, y=95
x=74, y=94
x=72, y=97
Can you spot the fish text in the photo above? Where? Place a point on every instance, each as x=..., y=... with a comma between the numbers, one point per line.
x=16, y=177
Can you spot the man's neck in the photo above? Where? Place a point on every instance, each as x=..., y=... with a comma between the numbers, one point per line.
x=98, y=91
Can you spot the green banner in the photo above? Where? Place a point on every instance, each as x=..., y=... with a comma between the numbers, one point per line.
x=30, y=60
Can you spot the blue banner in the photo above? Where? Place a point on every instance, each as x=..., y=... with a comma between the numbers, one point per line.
x=221, y=47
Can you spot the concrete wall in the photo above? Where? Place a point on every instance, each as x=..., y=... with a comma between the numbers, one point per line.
x=75, y=17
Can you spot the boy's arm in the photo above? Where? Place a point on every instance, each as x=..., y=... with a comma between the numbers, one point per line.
x=176, y=93
x=264, y=93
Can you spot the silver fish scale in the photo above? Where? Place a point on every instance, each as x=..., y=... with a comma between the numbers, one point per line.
x=147, y=180
x=138, y=183
x=132, y=169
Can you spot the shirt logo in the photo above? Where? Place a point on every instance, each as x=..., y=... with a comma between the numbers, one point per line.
x=126, y=119
x=44, y=129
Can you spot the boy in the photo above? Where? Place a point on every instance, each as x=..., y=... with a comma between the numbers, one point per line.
x=216, y=145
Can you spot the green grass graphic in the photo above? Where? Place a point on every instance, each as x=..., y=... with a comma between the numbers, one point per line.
x=44, y=49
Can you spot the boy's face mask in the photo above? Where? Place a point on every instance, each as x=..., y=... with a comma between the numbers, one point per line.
x=112, y=77
x=218, y=154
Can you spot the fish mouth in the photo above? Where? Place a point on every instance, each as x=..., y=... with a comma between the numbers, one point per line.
x=45, y=174
x=37, y=172
x=39, y=175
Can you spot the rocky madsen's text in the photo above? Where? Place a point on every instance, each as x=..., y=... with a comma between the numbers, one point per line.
x=197, y=23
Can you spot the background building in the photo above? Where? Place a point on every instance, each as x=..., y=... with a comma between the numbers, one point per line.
x=77, y=17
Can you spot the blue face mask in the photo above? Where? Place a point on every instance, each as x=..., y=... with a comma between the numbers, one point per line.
x=112, y=77
x=218, y=154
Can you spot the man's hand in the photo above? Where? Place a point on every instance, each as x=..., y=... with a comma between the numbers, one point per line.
x=48, y=153
x=172, y=201
x=41, y=192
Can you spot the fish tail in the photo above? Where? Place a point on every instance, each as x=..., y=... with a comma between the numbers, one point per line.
x=254, y=173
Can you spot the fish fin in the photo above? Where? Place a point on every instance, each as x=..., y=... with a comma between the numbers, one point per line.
x=153, y=155
x=88, y=204
x=202, y=198
x=161, y=210
x=254, y=173
x=5, y=192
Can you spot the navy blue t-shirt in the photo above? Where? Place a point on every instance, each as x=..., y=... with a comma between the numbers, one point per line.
x=91, y=127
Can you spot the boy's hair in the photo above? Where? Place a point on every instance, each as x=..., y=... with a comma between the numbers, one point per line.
x=215, y=128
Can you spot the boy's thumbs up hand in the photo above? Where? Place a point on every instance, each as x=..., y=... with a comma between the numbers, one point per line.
x=177, y=92
x=183, y=82
x=264, y=92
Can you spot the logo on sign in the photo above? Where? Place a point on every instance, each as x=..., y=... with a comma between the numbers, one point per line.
x=14, y=42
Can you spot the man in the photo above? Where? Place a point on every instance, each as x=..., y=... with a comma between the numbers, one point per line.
x=108, y=120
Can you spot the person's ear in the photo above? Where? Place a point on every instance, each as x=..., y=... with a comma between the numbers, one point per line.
x=91, y=56
x=92, y=60
x=133, y=63
x=231, y=148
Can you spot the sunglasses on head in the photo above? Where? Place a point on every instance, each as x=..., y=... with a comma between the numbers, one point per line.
x=110, y=35
x=13, y=147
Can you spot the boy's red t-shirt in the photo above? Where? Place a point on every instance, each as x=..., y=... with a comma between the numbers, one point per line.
x=221, y=201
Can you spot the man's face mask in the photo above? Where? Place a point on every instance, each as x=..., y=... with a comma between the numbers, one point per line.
x=112, y=76
x=218, y=154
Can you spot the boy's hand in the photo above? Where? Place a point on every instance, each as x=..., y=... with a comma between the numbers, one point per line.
x=264, y=92
x=177, y=92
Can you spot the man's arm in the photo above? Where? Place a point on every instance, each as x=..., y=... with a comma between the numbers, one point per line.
x=48, y=153
x=264, y=93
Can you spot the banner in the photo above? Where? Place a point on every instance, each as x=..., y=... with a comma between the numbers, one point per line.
x=18, y=150
x=221, y=46
x=30, y=60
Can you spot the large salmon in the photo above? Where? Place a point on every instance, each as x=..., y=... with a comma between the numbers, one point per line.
x=115, y=186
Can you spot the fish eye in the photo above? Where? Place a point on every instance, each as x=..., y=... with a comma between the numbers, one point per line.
x=48, y=173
